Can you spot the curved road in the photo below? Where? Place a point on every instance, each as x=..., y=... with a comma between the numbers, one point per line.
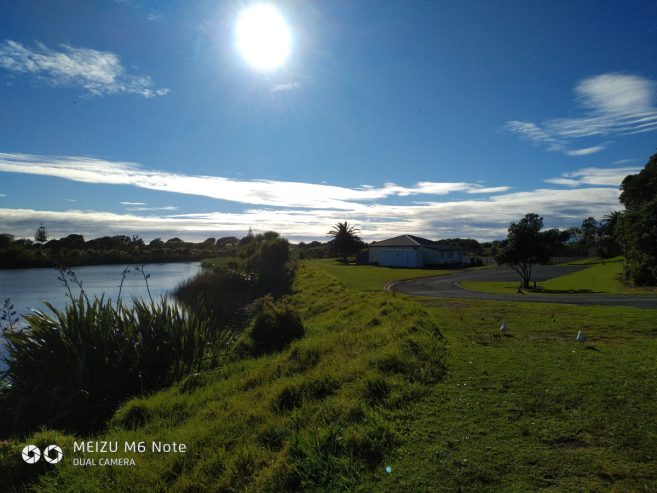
x=447, y=287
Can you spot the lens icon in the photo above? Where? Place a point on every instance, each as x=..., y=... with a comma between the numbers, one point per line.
x=31, y=454
x=53, y=454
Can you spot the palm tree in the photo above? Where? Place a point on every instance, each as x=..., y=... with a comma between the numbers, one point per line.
x=345, y=240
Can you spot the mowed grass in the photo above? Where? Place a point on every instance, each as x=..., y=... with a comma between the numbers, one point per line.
x=536, y=410
x=372, y=277
x=598, y=278
x=427, y=387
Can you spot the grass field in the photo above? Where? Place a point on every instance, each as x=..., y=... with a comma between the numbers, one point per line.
x=429, y=389
x=370, y=277
x=598, y=278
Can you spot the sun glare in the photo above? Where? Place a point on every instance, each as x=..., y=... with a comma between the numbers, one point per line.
x=263, y=37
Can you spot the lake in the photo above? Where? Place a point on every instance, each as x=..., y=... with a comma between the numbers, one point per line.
x=27, y=288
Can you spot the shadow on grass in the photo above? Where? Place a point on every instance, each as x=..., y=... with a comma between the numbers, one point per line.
x=561, y=291
x=352, y=263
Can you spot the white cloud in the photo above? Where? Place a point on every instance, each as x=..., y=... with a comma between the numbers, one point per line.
x=257, y=192
x=483, y=219
x=304, y=211
x=594, y=176
x=614, y=104
x=617, y=94
x=288, y=86
x=586, y=151
x=98, y=72
x=165, y=208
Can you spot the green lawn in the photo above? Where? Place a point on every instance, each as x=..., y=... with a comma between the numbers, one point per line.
x=535, y=410
x=371, y=277
x=427, y=387
x=598, y=278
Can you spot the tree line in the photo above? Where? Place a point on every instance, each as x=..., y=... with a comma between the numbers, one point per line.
x=74, y=250
x=631, y=233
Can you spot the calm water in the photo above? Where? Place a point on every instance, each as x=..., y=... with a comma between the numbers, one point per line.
x=27, y=288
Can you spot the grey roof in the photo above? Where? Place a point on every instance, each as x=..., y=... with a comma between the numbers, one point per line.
x=410, y=241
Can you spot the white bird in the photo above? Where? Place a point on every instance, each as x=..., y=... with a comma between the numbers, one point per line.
x=503, y=327
x=580, y=336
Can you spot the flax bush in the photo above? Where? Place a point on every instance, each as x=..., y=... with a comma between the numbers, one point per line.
x=70, y=369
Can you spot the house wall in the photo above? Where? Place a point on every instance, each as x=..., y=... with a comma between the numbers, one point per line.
x=451, y=256
x=397, y=257
x=413, y=257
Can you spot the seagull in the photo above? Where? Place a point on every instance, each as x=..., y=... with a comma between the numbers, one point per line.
x=503, y=327
x=580, y=336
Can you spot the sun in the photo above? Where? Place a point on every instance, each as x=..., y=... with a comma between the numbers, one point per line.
x=263, y=37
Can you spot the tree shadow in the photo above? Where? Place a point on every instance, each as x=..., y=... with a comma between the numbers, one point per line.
x=562, y=291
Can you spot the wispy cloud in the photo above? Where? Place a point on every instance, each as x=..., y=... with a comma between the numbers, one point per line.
x=256, y=192
x=586, y=151
x=483, y=219
x=612, y=104
x=594, y=176
x=302, y=211
x=98, y=72
x=288, y=86
x=165, y=208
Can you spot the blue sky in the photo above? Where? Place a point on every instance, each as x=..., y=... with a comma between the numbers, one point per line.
x=440, y=119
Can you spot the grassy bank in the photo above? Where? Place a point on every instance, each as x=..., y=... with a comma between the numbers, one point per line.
x=374, y=384
x=323, y=414
x=370, y=277
x=598, y=278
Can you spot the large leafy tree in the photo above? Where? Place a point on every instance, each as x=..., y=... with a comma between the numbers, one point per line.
x=525, y=247
x=345, y=241
x=638, y=225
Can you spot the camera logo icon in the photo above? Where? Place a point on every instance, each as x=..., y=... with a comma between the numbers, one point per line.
x=52, y=454
x=31, y=454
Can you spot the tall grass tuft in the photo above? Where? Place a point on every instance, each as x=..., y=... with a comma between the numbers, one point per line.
x=70, y=369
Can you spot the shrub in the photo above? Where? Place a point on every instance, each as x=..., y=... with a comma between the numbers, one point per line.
x=274, y=327
x=70, y=370
x=219, y=296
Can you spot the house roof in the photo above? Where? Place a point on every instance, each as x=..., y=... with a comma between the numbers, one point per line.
x=403, y=240
x=410, y=241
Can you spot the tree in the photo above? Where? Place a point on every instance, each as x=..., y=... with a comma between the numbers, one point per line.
x=638, y=225
x=589, y=234
x=525, y=247
x=639, y=238
x=41, y=235
x=5, y=240
x=248, y=238
x=608, y=239
x=156, y=243
x=345, y=240
x=642, y=187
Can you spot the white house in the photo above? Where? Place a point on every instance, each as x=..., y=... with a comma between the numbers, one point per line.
x=413, y=251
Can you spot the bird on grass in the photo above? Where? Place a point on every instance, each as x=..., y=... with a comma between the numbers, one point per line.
x=580, y=336
x=503, y=327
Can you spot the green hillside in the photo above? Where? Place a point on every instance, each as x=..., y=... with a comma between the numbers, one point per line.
x=429, y=389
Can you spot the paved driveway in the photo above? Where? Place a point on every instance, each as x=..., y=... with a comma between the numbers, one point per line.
x=447, y=287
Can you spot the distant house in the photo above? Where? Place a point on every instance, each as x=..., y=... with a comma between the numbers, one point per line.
x=413, y=251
